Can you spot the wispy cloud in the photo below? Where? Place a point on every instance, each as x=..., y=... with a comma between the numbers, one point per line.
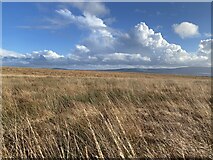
x=87, y=19
x=42, y=27
x=208, y=35
x=158, y=27
x=97, y=9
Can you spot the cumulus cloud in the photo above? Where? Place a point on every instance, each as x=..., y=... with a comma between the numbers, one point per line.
x=186, y=29
x=144, y=42
x=143, y=46
x=139, y=47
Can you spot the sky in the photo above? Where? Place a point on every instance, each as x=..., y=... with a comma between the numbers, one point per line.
x=99, y=35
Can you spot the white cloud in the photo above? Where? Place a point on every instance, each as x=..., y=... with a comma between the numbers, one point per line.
x=92, y=58
x=144, y=58
x=87, y=19
x=153, y=52
x=208, y=35
x=95, y=8
x=100, y=33
x=12, y=54
x=141, y=46
x=131, y=58
x=105, y=46
x=204, y=49
x=186, y=29
x=82, y=48
x=47, y=54
x=165, y=53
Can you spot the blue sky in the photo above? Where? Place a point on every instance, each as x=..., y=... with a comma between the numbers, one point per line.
x=106, y=34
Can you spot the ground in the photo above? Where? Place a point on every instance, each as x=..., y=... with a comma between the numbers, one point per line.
x=50, y=113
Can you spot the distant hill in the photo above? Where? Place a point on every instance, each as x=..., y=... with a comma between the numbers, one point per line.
x=195, y=71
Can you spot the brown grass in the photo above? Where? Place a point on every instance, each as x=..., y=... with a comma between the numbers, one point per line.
x=69, y=114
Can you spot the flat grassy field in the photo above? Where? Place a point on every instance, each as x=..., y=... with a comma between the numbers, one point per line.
x=71, y=114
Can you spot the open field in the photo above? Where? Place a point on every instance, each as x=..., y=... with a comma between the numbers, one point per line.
x=67, y=114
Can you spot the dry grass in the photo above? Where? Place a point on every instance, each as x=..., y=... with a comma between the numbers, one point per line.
x=69, y=114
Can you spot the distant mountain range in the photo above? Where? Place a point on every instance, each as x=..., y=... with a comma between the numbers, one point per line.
x=194, y=71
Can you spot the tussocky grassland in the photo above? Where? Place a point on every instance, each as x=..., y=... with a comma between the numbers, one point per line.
x=71, y=114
